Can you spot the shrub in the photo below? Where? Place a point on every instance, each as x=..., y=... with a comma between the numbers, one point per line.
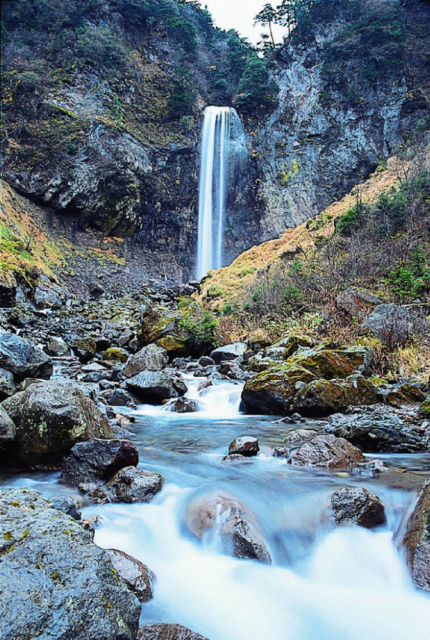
x=201, y=334
x=256, y=91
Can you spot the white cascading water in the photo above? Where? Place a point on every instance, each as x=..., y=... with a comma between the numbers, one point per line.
x=223, y=142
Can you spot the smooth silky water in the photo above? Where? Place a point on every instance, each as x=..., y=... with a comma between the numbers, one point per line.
x=324, y=583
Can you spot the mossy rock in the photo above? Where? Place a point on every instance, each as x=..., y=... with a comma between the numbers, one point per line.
x=176, y=347
x=404, y=394
x=273, y=390
x=160, y=322
x=324, y=397
x=289, y=346
x=334, y=363
x=115, y=354
x=425, y=408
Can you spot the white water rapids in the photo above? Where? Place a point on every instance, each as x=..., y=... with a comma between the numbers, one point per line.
x=323, y=584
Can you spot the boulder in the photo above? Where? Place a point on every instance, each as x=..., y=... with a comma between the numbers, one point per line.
x=390, y=323
x=324, y=397
x=357, y=302
x=84, y=347
x=133, y=573
x=155, y=386
x=405, y=393
x=228, y=352
x=416, y=540
x=22, y=358
x=381, y=433
x=7, y=384
x=299, y=436
x=425, y=408
x=166, y=326
x=98, y=460
x=273, y=390
x=7, y=435
x=117, y=397
x=50, y=418
x=57, y=347
x=54, y=581
x=222, y=515
x=116, y=354
x=327, y=451
x=150, y=358
x=356, y=505
x=205, y=361
x=134, y=485
x=287, y=347
x=162, y=631
x=93, y=493
x=68, y=505
x=370, y=469
x=184, y=405
x=245, y=446
x=333, y=363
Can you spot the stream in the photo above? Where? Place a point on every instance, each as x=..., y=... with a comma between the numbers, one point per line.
x=324, y=583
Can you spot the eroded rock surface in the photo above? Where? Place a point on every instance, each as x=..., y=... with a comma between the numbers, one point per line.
x=357, y=505
x=327, y=451
x=416, y=541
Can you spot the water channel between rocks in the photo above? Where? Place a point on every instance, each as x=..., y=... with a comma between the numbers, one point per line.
x=324, y=583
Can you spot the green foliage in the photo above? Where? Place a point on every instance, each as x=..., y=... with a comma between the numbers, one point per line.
x=257, y=91
x=214, y=291
x=183, y=93
x=410, y=279
x=352, y=219
x=98, y=45
x=201, y=334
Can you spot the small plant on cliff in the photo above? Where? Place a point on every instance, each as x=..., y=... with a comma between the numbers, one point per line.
x=201, y=334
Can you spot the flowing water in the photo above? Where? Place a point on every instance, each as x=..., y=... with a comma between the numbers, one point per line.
x=223, y=142
x=323, y=584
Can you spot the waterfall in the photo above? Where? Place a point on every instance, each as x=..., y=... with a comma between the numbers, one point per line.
x=223, y=144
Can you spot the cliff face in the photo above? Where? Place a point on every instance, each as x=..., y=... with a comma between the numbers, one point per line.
x=102, y=105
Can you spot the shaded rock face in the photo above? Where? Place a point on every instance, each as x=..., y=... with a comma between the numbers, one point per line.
x=22, y=358
x=324, y=397
x=356, y=505
x=416, y=541
x=156, y=386
x=161, y=631
x=133, y=573
x=7, y=434
x=229, y=352
x=134, y=485
x=98, y=460
x=334, y=363
x=49, y=564
x=51, y=417
x=222, y=516
x=57, y=347
x=150, y=358
x=327, y=451
x=184, y=405
x=7, y=384
x=404, y=394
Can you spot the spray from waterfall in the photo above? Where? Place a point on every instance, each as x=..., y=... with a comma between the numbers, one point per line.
x=223, y=144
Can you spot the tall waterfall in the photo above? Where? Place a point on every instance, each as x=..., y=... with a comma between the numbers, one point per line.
x=223, y=144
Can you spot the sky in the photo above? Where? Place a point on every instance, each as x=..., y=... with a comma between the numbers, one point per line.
x=239, y=15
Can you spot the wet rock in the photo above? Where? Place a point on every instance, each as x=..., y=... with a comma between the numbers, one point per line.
x=245, y=446
x=96, y=376
x=134, y=485
x=116, y=354
x=236, y=458
x=57, y=347
x=49, y=564
x=22, y=358
x=184, y=405
x=327, y=451
x=404, y=394
x=136, y=576
x=162, y=631
x=370, y=469
x=323, y=397
x=425, y=408
x=281, y=452
x=229, y=352
x=150, y=358
x=156, y=386
x=299, y=436
x=7, y=434
x=334, y=363
x=356, y=505
x=93, y=492
x=98, y=460
x=68, y=505
x=117, y=398
x=50, y=418
x=222, y=515
x=205, y=385
x=381, y=433
x=7, y=384
x=273, y=390
x=84, y=347
x=416, y=541
x=357, y=302
x=205, y=361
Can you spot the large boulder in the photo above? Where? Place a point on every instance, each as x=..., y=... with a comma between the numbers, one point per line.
x=222, y=515
x=390, y=323
x=50, y=418
x=356, y=505
x=22, y=358
x=228, y=352
x=7, y=434
x=84, y=347
x=324, y=397
x=98, y=460
x=327, y=451
x=168, y=327
x=150, y=358
x=134, y=485
x=357, y=302
x=381, y=433
x=404, y=393
x=134, y=574
x=286, y=347
x=273, y=390
x=164, y=631
x=333, y=363
x=7, y=384
x=155, y=386
x=54, y=581
x=57, y=347
x=416, y=541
